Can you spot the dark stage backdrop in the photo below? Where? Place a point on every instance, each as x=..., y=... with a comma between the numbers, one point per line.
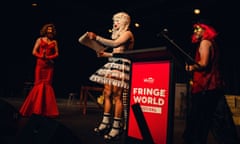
x=75, y=64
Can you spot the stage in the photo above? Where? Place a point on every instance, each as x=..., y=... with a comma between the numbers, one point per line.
x=72, y=127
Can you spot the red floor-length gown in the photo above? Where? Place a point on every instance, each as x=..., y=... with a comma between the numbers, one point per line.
x=41, y=99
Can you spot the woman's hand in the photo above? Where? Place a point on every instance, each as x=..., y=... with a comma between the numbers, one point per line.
x=91, y=35
x=100, y=53
x=188, y=67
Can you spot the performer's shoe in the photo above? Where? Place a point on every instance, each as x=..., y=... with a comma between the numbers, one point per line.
x=102, y=131
x=109, y=138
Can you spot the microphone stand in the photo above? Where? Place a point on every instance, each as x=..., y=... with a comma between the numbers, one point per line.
x=190, y=59
x=189, y=75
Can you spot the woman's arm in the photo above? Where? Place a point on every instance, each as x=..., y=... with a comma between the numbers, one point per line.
x=35, y=50
x=111, y=43
x=117, y=42
x=204, y=50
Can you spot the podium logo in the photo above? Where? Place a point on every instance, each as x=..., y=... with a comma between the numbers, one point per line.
x=149, y=80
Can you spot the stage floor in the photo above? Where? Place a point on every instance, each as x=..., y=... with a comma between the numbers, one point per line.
x=73, y=124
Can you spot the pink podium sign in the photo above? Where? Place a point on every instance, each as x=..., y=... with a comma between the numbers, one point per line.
x=150, y=85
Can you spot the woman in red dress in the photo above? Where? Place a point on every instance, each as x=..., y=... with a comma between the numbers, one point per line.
x=41, y=99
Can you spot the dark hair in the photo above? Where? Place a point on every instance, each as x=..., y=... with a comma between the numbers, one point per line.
x=43, y=30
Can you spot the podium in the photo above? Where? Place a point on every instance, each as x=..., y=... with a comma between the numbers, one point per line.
x=151, y=96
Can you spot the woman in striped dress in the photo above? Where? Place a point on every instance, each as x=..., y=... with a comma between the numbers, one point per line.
x=114, y=75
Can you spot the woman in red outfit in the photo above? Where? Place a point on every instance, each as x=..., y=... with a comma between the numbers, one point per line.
x=41, y=99
x=209, y=111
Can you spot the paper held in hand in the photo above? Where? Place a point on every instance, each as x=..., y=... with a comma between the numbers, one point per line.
x=91, y=43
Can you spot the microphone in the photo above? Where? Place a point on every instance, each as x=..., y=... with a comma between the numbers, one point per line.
x=163, y=32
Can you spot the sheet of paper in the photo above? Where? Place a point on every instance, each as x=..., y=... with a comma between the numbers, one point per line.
x=84, y=40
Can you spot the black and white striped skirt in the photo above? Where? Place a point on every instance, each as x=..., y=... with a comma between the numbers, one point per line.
x=115, y=72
